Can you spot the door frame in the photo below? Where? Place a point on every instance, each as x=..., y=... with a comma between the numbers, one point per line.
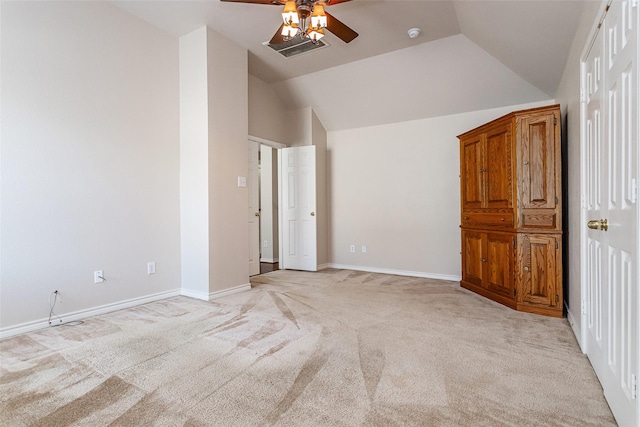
x=272, y=144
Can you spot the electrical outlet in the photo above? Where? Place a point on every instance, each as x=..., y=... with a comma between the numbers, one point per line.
x=265, y=244
x=352, y=249
x=151, y=267
x=98, y=276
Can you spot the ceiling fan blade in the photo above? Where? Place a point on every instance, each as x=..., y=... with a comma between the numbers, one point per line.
x=273, y=2
x=332, y=2
x=343, y=32
x=277, y=38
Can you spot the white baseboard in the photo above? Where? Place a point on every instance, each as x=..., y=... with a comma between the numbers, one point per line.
x=194, y=294
x=396, y=272
x=11, y=331
x=270, y=260
x=575, y=329
x=217, y=294
x=230, y=291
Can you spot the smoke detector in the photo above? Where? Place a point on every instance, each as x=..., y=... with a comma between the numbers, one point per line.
x=414, y=32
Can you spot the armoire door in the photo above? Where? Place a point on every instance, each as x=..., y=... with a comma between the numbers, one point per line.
x=498, y=168
x=472, y=190
x=538, y=163
x=472, y=257
x=537, y=284
x=499, y=264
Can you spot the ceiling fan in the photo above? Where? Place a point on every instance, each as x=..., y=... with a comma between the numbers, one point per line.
x=307, y=19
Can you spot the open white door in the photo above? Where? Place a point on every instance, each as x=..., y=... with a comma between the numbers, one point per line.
x=610, y=84
x=254, y=209
x=298, y=208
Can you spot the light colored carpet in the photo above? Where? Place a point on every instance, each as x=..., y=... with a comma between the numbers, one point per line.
x=333, y=348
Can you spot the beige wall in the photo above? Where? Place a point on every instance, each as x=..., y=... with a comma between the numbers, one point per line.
x=299, y=127
x=90, y=160
x=194, y=164
x=568, y=95
x=395, y=190
x=214, y=128
x=228, y=131
x=267, y=114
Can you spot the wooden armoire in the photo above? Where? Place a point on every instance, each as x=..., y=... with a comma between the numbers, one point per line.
x=511, y=210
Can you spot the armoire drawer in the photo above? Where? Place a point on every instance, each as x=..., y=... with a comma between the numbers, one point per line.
x=494, y=219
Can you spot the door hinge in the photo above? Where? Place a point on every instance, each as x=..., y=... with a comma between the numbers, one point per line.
x=583, y=308
x=555, y=120
x=634, y=190
x=513, y=239
x=557, y=299
x=556, y=244
x=514, y=292
x=634, y=386
x=583, y=99
x=556, y=200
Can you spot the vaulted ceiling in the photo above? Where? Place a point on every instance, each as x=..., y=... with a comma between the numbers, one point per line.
x=470, y=55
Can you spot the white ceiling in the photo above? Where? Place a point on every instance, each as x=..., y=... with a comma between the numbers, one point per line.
x=471, y=54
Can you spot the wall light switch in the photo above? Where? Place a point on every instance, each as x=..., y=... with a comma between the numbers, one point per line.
x=352, y=249
x=242, y=181
x=151, y=267
x=364, y=249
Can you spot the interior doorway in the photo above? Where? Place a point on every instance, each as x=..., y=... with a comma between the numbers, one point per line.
x=264, y=241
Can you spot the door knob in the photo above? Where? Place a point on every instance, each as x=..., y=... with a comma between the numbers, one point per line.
x=598, y=224
x=313, y=214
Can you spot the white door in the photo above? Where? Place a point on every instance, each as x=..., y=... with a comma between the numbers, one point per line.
x=610, y=83
x=298, y=208
x=253, y=187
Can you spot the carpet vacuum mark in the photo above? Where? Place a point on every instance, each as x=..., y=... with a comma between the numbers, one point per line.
x=332, y=348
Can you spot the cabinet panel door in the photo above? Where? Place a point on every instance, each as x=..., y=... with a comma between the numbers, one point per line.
x=538, y=161
x=472, y=255
x=498, y=168
x=538, y=270
x=499, y=264
x=470, y=172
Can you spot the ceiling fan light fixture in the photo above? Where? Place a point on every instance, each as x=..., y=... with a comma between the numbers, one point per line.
x=315, y=34
x=290, y=13
x=318, y=18
x=289, y=31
